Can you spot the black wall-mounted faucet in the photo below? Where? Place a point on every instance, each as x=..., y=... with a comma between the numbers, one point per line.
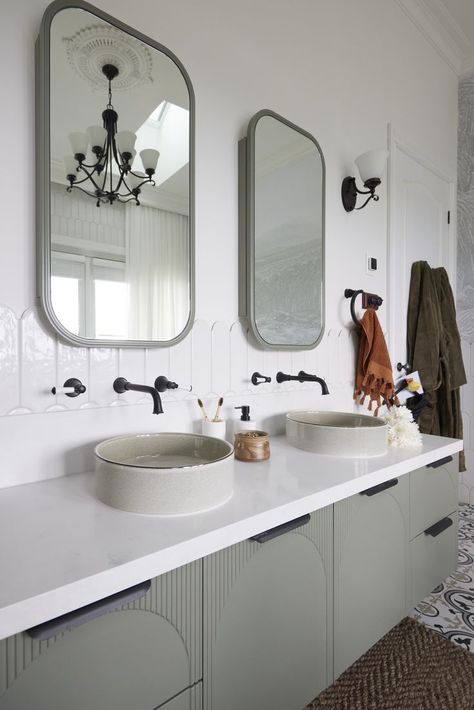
x=122, y=385
x=303, y=377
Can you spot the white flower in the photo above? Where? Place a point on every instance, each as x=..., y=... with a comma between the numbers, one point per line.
x=402, y=430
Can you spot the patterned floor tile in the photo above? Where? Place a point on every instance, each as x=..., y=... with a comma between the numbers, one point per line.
x=449, y=609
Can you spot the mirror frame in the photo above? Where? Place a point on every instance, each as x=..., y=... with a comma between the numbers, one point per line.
x=247, y=230
x=43, y=178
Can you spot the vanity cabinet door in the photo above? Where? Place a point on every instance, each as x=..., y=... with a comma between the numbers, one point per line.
x=433, y=493
x=434, y=556
x=268, y=620
x=371, y=566
x=136, y=658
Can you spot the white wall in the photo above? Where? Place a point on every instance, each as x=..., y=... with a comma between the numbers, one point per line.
x=340, y=70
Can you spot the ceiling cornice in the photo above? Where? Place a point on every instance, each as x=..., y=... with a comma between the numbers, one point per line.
x=436, y=23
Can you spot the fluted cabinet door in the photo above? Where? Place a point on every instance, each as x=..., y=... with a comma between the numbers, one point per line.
x=137, y=657
x=371, y=569
x=268, y=611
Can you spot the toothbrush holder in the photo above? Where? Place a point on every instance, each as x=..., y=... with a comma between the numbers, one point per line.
x=216, y=429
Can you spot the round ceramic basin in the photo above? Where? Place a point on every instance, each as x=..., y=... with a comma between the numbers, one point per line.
x=165, y=473
x=337, y=433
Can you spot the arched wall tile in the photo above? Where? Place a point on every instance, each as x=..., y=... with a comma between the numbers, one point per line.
x=220, y=365
x=256, y=360
x=38, y=363
x=284, y=365
x=72, y=362
x=180, y=369
x=157, y=362
x=103, y=369
x=131, y=365
x=270, y=369
x=238, y=358
x=201, y=361
x=297, y=361
x=331, y=364
x=9, y=362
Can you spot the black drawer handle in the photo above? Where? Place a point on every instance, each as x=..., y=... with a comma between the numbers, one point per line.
x=441, y=462
x=381, y=487
x=281, y=529
x=439, y=527
x=89, y=612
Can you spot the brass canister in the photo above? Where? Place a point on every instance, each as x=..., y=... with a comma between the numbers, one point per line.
x=252, y=446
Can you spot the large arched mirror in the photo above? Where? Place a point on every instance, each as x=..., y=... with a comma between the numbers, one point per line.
x=281, y=225
x=115, y=141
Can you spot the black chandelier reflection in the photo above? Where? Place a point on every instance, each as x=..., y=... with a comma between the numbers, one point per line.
x=110, y=148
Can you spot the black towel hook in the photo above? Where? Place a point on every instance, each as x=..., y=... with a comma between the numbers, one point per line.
x=369, y=300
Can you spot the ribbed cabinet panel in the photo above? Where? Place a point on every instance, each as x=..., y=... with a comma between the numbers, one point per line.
x=281, y=587
x=175, y=597
x=371, y=569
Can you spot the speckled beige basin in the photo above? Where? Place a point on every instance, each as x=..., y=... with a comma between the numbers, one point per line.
x=337, y=433
x=165, y=473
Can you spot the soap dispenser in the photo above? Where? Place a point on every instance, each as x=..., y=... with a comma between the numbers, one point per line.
x=244, y=423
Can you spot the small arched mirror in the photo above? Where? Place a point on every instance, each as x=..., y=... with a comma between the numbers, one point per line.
x=115, y=140
x=282, y=177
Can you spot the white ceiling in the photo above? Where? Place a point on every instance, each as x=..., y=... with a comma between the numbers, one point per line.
x=449, y=26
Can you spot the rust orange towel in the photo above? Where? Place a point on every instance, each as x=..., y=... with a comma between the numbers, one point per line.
x=374, y=377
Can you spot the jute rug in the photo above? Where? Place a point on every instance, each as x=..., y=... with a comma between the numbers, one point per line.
x=411, y=668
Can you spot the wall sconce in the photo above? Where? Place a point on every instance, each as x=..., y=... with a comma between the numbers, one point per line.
x=371, y=166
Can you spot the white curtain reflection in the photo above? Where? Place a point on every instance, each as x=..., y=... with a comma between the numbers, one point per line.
x=157, y=272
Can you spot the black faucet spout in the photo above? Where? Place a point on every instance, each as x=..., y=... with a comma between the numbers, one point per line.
x=303, y=377
x=122, y=385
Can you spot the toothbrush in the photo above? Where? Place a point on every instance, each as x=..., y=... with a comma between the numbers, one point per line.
x=218, y=410
x=206, y=418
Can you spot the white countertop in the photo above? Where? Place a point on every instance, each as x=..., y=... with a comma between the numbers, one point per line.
x=61, y=548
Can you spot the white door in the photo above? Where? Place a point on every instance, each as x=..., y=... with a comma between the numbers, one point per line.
x=421, y=229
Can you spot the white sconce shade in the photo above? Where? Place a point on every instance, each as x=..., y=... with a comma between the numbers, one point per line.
x=79, y=143
x=71, y=165
x=372, y=164
x=97, y=136
x=149, y=158
x=126, y=141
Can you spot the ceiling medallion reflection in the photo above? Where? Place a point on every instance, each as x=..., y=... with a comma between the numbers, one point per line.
x=93, y=47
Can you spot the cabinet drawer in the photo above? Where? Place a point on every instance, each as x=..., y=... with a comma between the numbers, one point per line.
x=139, y=656
x=433, y=558
x=433, y=494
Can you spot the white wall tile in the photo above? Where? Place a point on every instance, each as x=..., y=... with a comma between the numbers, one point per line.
x=38, y=363
x=180, y=369
x=238, y=358
x=103, y=370
x=9, y=362
x=72, y=362
x=131, y=365
x=157, y=362
x=220, y=363
x=201, y=361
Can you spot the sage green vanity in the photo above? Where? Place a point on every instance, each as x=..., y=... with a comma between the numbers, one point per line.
x=261, y=624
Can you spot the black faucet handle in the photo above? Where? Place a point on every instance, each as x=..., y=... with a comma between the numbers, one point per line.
x=162, y=383
x=120, y=385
